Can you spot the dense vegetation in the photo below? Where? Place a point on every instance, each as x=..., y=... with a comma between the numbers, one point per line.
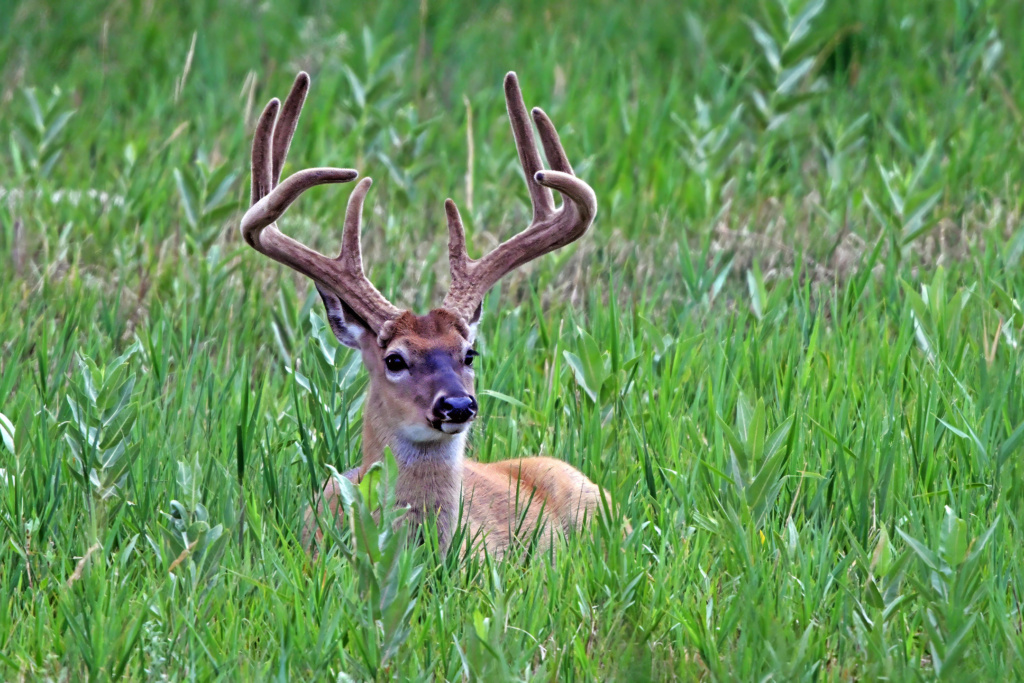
x=790, y=346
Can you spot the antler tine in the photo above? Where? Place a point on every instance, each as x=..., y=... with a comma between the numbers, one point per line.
x=458, y=259
x=365, y=300
x=550, y=229
x=262, y=181
x=552, y=144
x=344, y=275
x=286, y=123
x=526, y=146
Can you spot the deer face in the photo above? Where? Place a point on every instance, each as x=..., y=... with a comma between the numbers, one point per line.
x=421, y=370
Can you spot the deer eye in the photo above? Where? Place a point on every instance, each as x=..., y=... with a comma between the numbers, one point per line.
x=395, y=363
x=470, y=355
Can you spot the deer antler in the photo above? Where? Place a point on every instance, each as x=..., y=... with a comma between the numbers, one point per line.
x=344, y=275
x=550, y=229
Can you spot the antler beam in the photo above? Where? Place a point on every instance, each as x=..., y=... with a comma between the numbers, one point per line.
x=344, y=275
x=550, y=229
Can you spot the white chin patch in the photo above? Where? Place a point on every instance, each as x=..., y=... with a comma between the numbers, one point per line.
x=419, y=433
x=454, y=427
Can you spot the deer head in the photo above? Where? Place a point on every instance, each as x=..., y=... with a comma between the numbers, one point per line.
x=421, y=367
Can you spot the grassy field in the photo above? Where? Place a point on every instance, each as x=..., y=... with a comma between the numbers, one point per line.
x=790, y=345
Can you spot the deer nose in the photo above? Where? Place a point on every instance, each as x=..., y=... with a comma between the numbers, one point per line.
x=456, y=409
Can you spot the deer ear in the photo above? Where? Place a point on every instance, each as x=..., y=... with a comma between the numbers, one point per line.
x=347, y=326
x=474, y=321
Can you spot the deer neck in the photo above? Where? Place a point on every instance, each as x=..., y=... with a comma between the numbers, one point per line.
x=429, y=472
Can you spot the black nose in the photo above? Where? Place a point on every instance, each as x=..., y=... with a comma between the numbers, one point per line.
x=455, y=408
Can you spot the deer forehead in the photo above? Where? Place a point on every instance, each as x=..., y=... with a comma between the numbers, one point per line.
x=423, y=335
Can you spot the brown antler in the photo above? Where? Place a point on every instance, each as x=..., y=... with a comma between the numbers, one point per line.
x=550, y=229
x=344, y=275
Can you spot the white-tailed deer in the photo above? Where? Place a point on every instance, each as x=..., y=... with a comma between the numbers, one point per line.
x=420, y=400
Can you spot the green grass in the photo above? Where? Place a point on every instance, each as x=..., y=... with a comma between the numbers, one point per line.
x=797, y=322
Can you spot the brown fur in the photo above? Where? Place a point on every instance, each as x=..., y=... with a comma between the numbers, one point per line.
x=503, y=503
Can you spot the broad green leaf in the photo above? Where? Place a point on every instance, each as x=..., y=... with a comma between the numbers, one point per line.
x=755, y=434
x=915, y=226
x=744, y=414
x=580, y=374
x=222, y=180
x=765, y=486
x=54, y=129
x=922, y=551
x=881, y=557
x=768, y=45
x=740, y=460
x=792, y=77
x=979, y=543
x=38, y=120
x=953, y=538
x=347, y=490
x=802, y=22
x=1012, y=443
x=778, y=437
x=505, y=398
x=7, y=433
x=187, y=197
x=369, y=484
